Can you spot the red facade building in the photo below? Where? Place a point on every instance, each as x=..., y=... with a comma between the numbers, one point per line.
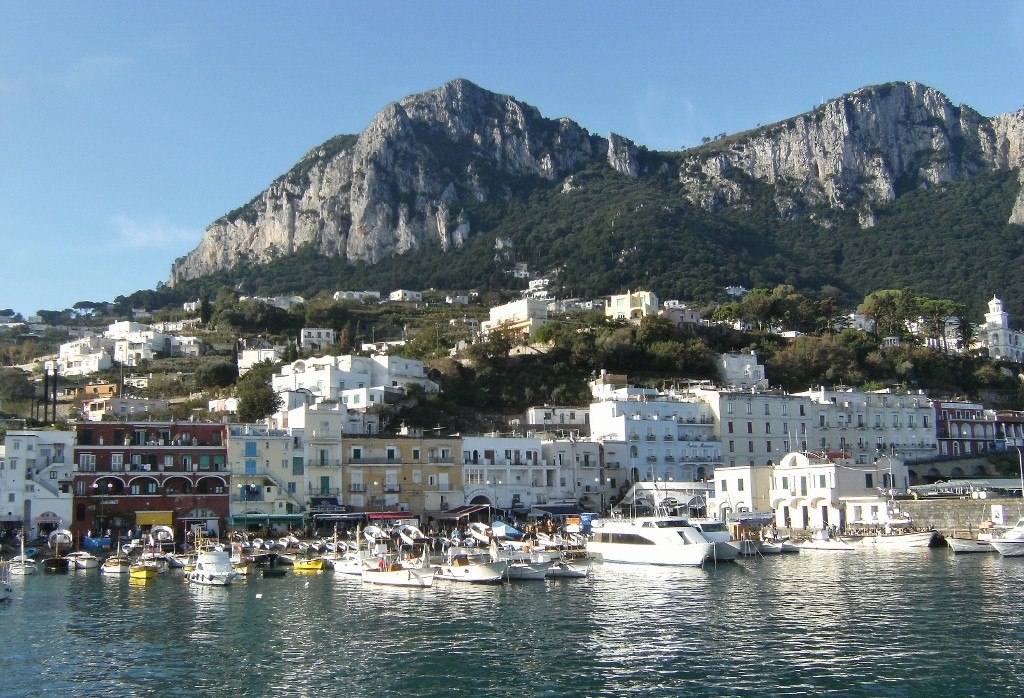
x=130, y=476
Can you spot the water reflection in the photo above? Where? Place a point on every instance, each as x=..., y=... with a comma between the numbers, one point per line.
x=865, y=623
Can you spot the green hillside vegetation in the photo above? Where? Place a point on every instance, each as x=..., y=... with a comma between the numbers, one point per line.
x=612, y=233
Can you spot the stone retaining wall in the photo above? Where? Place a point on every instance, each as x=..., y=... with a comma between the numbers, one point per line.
x=947, y=515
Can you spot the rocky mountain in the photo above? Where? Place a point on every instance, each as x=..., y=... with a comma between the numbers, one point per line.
x=409, y=177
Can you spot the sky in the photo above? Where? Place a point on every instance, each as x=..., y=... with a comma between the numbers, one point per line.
x=126, y=128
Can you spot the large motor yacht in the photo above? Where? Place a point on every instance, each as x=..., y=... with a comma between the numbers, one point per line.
x=649, y=540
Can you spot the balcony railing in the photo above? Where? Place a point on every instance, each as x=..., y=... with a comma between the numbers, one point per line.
x=356, y=487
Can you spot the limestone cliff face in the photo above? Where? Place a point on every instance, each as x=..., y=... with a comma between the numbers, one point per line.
x=865, y=147
x=402, y=181
x=406, y=179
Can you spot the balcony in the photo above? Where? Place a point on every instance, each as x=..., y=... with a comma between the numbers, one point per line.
x=670, y=458
x=324, y=463
x=651, y=437
x=356, y=488
x=669, y=437
x=374, y=460
x=392, y=487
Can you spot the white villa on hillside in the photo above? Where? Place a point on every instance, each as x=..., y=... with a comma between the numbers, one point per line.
x=997, y=337
x=521, y=318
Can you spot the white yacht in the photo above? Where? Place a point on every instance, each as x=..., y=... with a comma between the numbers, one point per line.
x=213, y=568
x=1011, y=543
x=717, y=532
x=649, y=540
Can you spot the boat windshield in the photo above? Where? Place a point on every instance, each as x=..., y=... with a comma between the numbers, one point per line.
x=672, y=523
x=713, y=527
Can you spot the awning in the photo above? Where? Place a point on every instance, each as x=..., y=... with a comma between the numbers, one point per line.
x=48, y=519
x=460, y=512
x=265, y=517
x=377, y=515
x=335, y=516
x=555, y=510
x=154, y=518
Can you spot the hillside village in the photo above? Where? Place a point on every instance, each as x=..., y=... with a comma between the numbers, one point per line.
x=274, y=432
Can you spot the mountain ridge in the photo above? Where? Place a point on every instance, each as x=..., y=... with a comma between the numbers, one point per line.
x=411, y=177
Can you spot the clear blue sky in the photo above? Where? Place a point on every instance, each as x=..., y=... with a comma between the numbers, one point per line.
x=126, y=128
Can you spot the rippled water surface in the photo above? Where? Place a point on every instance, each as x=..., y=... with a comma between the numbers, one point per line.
x=872, y=623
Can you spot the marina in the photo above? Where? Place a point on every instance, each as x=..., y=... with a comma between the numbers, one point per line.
x=623, y=628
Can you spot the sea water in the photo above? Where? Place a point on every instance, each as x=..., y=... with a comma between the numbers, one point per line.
x=868, y=623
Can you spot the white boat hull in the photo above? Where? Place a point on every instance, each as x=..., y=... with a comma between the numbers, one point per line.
x=83, y=561
x=402, y=577
x=473, y=572
x=900, y=540
x=831, y=544
x=969, y=545
x=1009, y=548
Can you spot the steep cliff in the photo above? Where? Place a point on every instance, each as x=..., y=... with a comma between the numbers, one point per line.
x=407, y=178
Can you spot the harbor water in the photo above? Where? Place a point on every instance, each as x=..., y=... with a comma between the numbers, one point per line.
x=869, y=622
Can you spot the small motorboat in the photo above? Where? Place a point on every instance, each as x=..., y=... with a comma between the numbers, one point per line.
x=313, y=565
x=82, y=560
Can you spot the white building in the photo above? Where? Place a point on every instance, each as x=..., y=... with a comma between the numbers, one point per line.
x=670, y=439
x=579, y=472
x=358, y=296
x=759, y=428
x=554, y=418
x=812, y=492
x=83, y=356
x=741, y=370
x=507, y=472
x=247, y=358
x=36, y=472
x=122, y=408
x=520, y=318
x=863, y=425
x=741, y=490
x=632, y=306
x=316, y=338
x=997, y=337
x=405, y=295
x=328, y=377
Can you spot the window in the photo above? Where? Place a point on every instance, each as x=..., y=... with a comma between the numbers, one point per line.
x=767, y=408
x=732, y=447
x=416, y=454
x=729, y=408
x=750, y=446
x=750, y=427
x=297, y=466
x=730, y=427
x=725, y=486
x=86, y=463
x=802, y=411
x=767, y=427
x=768, y=446
x=117, y=461
x=291, y=487
x=750, y=408
x=739, y=485
x=785, y=483
x=869, y=480
x=822, y=481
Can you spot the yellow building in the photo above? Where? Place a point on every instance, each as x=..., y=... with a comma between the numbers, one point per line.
x=267, y=479
x=415, y=474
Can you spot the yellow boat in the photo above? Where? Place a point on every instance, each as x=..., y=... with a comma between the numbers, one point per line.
x=316, y=565
x=143, y=571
